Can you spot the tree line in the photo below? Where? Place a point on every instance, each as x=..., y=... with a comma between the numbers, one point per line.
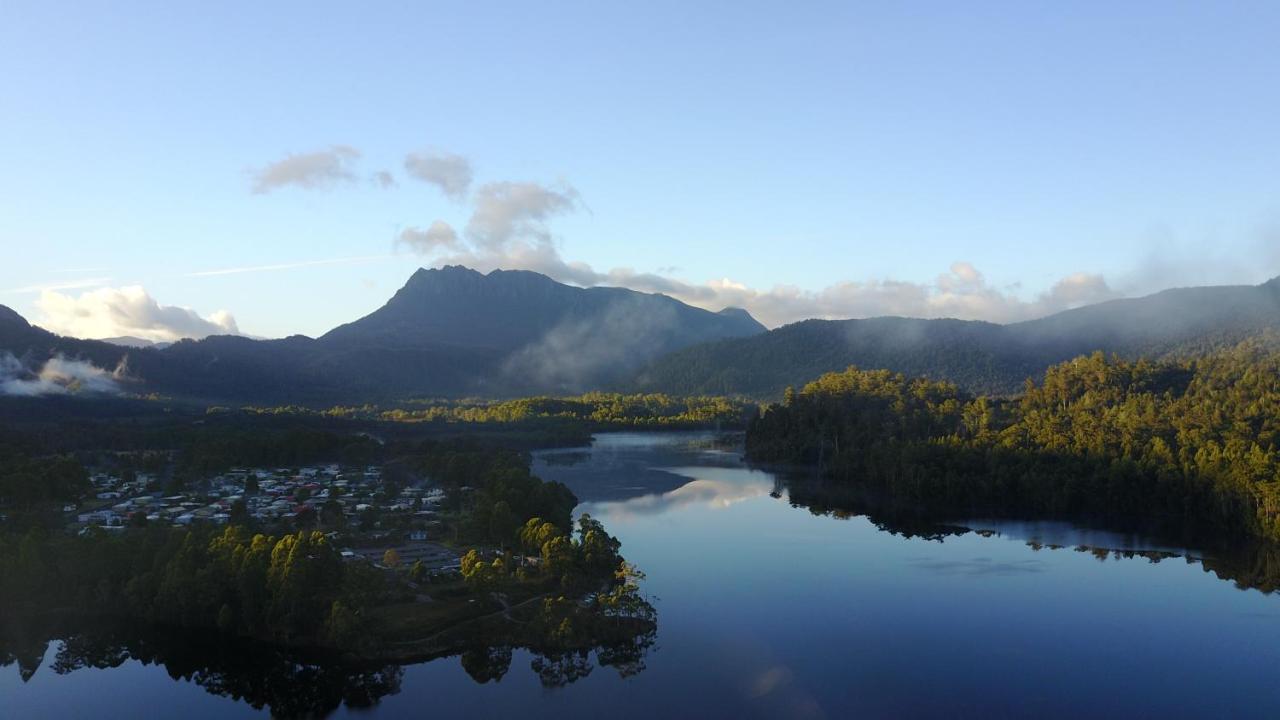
x=293, y=589
x=1193, y=442
x=596, y=409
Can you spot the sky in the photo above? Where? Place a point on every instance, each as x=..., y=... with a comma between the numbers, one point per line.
x=171, y=169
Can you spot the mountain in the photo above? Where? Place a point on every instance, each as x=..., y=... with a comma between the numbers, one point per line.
x=448, y=332
x=529, y=332
x=979, y=356
x=454, y=332
x=135, y=342
x=33, y=345
x=512, y=309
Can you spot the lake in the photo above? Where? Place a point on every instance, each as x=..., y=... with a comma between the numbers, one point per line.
x=777, y=600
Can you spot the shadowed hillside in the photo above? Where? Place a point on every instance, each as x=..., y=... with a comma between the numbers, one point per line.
x=979, y=356
x=447, y=332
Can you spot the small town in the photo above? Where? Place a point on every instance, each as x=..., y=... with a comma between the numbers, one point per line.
x=368, y=519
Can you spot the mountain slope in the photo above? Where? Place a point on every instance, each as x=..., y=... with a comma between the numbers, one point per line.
x=447, y=332
x=511, y=309
x=527, y=332
x=976, y=355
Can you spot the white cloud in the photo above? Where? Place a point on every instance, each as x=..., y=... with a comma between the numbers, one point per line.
x=383, y=180
x=113, y=312
x=962, y=292
x=58, y=376
x=311, y=171
x=451, y=173
x=509, y=228
x=506, y=213
x=440, y=236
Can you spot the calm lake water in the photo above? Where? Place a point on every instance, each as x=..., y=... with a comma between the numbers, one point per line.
x=766, y=609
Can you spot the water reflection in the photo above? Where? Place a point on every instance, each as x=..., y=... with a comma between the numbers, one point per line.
x=287, y=684
x=1248, y=564
x=625, y=466
x=977, y=567
x=771, y=607
x=714, y=488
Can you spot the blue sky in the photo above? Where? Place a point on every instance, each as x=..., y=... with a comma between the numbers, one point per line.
x=837, y=159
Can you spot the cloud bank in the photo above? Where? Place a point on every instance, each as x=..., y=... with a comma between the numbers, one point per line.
x=310, y=171
x=962, y=292
x=114, y=312
x=509, y=228
x=58, y=376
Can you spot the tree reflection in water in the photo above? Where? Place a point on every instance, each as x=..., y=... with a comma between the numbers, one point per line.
x=1248, y=563
x=287, y=683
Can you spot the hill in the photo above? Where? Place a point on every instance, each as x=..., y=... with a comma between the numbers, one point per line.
x=448, y=332
x=978, y=356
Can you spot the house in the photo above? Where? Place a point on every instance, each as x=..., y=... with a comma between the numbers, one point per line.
x=98, y=517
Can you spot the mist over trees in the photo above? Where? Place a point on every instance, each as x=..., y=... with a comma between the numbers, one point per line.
x=980, y=357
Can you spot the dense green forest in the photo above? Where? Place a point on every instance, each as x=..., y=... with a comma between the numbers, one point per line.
x=294, y=589
x=31, y=485
x=1192, y=442
x=489, y=491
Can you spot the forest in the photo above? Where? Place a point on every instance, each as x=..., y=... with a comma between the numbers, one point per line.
x=293, y=588
x=1190, y=443
x=594, y=410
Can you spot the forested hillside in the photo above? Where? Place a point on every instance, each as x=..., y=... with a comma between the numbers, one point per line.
x=1192, y=442
x=980, y=357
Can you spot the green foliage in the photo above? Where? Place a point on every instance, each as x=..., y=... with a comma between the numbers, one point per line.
x=595, y=409
x=27, y=483
x=500, y=493
x=1194, y=441
x=215, y=449
x=482, y=575
x=577, y=563
x=291, y=588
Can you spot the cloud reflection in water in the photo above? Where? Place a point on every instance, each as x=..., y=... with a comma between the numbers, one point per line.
x=714, y=488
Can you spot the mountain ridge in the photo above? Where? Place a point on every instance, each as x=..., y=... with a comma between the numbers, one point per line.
x=977, y=355
x=453, y=332
x=447, y=332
